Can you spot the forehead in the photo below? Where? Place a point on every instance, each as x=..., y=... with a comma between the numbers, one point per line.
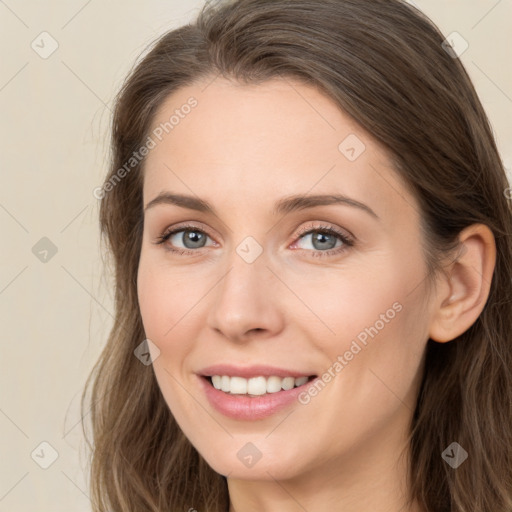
x=275, y=116
x=264, y=141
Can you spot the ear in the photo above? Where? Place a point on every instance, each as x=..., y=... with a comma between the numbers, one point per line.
x=464, y=287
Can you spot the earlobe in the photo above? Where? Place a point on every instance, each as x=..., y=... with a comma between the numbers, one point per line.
x=465, y=285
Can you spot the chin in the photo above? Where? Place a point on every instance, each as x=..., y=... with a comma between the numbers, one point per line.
x=246, y=462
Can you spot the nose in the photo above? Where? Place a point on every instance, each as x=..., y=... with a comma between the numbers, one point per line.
x=246, y=301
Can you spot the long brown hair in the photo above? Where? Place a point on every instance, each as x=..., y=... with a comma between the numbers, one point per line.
x=383, y=63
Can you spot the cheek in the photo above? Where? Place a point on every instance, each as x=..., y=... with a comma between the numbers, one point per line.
x=374, y=325
x=373, y=297
x=382, y=354
x=166, y=298
x=166, y=307
x=153, y=301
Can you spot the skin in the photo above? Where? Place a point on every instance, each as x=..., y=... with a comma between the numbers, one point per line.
x=243, y=148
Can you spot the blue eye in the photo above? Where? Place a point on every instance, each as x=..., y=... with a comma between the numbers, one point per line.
x=196, y=238
x=192, y=238
x=325, y=240
x=322, y=239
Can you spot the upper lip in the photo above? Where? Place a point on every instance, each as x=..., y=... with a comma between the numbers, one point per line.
x=251, y=371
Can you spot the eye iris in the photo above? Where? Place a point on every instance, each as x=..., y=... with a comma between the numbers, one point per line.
x=320, y=238
x=194, y=237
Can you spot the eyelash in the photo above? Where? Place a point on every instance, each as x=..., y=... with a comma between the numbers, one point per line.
x=328, y=230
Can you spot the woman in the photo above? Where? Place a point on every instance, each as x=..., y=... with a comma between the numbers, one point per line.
x=309, y=227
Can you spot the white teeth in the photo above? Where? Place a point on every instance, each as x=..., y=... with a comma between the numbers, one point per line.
x=238, y=386
x=288, y=383
x=274, y=384
x=225, y=383
x=300, y=381
x=217, y=381
x=255, y=385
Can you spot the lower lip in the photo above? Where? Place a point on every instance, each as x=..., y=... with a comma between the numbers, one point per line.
x=244, y=407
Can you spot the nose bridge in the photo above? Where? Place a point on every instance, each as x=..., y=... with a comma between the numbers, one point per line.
x=247, y=270
x=245, y=280
x=244, y=299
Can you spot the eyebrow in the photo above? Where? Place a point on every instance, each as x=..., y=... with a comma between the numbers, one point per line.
x=283, y=206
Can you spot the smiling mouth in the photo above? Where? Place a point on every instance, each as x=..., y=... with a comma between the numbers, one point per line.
x=256, y=386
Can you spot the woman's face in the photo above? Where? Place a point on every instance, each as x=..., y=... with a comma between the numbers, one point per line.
x=278, y=279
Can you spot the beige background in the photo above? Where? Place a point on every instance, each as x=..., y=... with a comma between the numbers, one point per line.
x=55, y=114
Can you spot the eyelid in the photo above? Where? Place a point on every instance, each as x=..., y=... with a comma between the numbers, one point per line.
x=344, y=233
x=346, y=237
x=168, y=232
